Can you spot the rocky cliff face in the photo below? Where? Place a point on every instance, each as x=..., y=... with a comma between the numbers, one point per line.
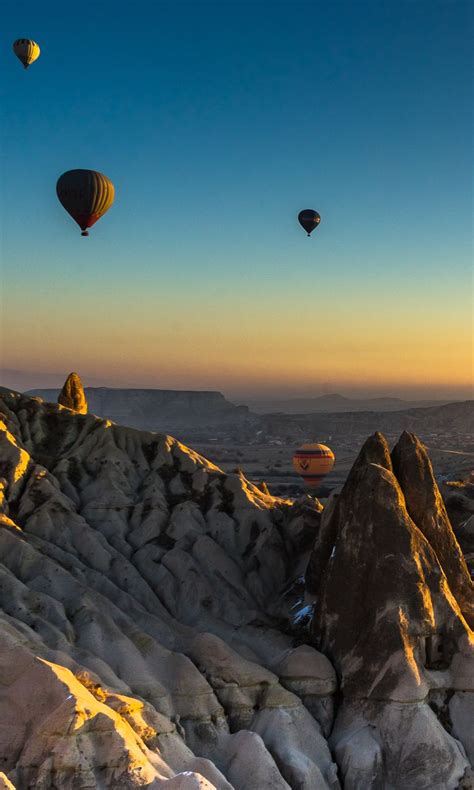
x=151, y=409
x=394, y=606
x=146, y=637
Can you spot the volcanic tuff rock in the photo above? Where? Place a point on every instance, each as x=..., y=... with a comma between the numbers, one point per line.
x=458, y=496
x=465, y=535
x=146, y=638
x=140, y=637
x=72, y=394
x=425, y=505
x=394, y=604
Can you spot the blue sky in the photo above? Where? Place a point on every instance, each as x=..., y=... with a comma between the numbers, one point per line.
x=217, y=123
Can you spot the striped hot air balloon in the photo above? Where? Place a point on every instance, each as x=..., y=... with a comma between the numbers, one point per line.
x=86, y=195
x=26, y=50
x=309, y=219
x=313, y=462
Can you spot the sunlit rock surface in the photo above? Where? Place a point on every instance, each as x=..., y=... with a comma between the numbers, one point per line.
x=394, y=604
x=72, y=395
x=139, y=593
x=153, y=619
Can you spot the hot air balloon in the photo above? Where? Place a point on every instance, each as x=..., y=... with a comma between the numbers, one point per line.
x=26, y=50
x=86, y=195
x=313, y=462
x=309, y=220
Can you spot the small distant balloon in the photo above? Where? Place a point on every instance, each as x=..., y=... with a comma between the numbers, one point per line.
x=26, y=50
x=86, y=195
x=309, y=220
x=313, y=462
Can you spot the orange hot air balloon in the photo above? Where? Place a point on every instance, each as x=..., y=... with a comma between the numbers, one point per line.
x=313, y=462
x=309, y=219
x=86, y=195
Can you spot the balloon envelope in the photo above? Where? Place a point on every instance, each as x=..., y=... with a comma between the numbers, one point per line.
x=313, y=462
x=309, y=219
x=86, y=195
x=26, y=50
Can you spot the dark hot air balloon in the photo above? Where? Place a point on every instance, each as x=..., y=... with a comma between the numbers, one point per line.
x=26, y=50
x=313, y=462
x=86, y=195
x=309, y=220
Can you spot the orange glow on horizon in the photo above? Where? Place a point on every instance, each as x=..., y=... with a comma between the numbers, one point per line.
x=278, y=343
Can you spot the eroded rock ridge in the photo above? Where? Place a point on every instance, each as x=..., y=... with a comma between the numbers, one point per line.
x=147, y=637
x=139, y=590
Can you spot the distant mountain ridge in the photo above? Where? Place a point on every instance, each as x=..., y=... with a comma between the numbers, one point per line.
x=451, y=417
x=336, y=403
x=200, y=415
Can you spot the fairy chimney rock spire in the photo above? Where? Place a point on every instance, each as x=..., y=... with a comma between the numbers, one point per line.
x=72, y=395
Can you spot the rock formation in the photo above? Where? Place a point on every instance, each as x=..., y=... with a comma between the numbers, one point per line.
x=154, y=624
x=72, y=395
x=139, y=590
x=393, y=606
x=458, y=496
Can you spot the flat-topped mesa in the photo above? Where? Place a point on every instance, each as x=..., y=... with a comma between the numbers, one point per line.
x=72, y=395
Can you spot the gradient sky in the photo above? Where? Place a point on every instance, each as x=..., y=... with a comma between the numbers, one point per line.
x=217, y=123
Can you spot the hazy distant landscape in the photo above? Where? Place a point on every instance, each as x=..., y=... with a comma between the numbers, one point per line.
x=335, y=403
x=262, y=445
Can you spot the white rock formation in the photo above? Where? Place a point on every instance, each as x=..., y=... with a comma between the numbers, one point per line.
x=148, y=635
x=136, y=581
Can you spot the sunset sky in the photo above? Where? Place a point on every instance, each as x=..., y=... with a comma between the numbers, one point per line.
x=218, y=122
